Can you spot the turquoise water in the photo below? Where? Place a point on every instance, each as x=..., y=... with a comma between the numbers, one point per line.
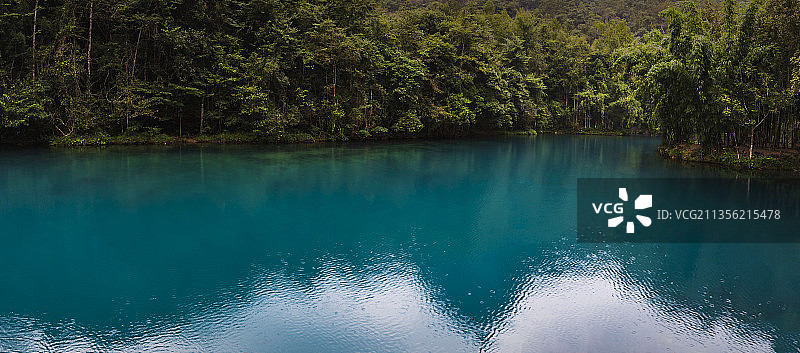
x=413, y=246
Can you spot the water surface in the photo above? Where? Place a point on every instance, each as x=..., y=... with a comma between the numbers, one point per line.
x=410, y=246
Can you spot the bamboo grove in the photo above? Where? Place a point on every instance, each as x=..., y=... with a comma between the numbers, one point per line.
x=716, y=73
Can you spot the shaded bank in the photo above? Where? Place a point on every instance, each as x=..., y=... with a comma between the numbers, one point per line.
x=733, y=157
x=288, y=138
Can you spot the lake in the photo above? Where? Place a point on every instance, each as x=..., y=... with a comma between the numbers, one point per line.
x=465, y=245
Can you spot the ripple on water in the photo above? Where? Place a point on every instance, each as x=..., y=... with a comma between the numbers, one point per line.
x=397, y=247
x=574, y=306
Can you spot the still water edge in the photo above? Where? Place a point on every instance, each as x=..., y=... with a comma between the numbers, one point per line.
x=415, y=246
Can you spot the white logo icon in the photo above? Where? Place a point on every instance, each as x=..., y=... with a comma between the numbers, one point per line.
x=642, y=202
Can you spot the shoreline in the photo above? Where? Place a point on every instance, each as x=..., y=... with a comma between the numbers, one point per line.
x=733, y=158
x=763, y=159
x=101, y=140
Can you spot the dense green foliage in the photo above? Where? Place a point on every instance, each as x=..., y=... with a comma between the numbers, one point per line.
x=641, y=15
x=356, y=69
x=729, y=76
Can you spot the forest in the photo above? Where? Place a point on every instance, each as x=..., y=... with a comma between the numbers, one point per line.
x=714, y=73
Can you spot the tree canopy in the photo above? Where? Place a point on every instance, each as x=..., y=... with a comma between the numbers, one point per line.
x=716, y=73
